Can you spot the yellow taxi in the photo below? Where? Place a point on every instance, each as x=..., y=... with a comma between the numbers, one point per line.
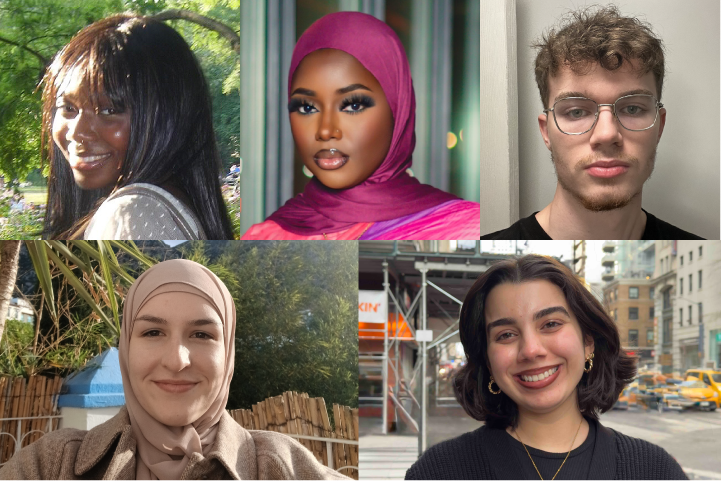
x=708, y=376
x=694, y=393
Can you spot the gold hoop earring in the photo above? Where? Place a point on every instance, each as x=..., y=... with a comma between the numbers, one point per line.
x=589, y=360
x=491, y=389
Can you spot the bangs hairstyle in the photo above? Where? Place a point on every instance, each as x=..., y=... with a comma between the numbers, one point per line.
x=146, y=67
x=597, y=391
x=598, y=35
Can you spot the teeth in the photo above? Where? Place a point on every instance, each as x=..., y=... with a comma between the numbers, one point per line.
x=92, y=158
x=540, y=377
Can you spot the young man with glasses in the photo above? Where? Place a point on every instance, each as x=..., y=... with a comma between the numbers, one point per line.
x=600, y=78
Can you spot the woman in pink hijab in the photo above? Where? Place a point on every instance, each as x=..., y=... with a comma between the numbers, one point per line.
x=352, y=114
x=177, y=351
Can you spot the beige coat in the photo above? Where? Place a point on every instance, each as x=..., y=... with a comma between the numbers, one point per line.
x=108, y=452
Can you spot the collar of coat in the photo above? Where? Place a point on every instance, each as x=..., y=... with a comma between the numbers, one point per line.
x=231, y=440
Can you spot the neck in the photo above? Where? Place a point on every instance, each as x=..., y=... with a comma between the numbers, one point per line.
x=566, y=218
x=551, y=432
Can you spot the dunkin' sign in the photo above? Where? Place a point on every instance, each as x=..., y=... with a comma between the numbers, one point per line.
x=372, y=306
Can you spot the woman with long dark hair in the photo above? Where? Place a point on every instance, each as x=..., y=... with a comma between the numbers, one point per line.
x=127, y=130
x=543, y=360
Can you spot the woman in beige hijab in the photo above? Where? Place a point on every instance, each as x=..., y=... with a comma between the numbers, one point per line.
x=176, y=359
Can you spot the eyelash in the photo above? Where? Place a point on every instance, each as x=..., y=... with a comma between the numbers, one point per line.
x=364, y=101
x=205, y=334
x=502, y=338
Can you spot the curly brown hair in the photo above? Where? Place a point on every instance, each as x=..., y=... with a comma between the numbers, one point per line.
x=598, y=35
x=598, y=390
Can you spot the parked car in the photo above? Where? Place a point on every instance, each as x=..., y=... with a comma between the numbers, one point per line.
x=708, y=376
x=694, y=394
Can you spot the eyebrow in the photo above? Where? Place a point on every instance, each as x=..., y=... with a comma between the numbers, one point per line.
x=160, y=320
x=344, y=90
x=565, y=95
x=509, y=321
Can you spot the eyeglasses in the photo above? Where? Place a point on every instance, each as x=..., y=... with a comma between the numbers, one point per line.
x=578, y=115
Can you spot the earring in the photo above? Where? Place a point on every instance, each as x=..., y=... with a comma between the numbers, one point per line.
x=589, y=360
x=491, y=389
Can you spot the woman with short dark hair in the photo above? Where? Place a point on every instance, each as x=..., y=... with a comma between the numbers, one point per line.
x=543, y=359
x=127, y=129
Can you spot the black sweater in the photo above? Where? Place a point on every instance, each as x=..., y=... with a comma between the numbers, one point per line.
x=485, y=454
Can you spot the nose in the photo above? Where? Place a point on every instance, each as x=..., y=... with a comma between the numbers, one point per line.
x=607, y=129
x=177, y=357
x=531, y=347
x=328, y=127
x=82, y=127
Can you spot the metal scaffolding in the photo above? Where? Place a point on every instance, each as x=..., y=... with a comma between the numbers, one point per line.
x=424, y=339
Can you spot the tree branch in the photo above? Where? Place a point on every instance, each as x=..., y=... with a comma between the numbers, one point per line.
x=42, y=59
x=207, y=22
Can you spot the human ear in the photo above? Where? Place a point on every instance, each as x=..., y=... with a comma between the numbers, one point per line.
x=661, y=123
x=590, y=345
x=543, y=127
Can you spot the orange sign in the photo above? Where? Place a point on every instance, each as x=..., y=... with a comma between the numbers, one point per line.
x=367, y=330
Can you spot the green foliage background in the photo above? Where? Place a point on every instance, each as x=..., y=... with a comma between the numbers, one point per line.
x=44, y=26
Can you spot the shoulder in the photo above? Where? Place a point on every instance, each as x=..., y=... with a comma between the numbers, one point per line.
x=658, y=229
x=142, y=211
x=282, y=457
x=527, y=228
x=272, y=230
x=640, y=459
x=463, y=457
x=455, y=219
x=50, y=457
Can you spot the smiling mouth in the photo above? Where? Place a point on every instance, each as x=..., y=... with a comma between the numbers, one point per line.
x=539, y=380
x=330, y=159
x=88, y=162
x=175, y=388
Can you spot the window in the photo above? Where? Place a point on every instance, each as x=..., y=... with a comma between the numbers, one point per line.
x=680, y=286
x=633, y=337
x=700, y=279
x=633, y=313
x=680, y=316
x=651, y=293
x=667, y=330
x=700, y=251
x=690, y=283
x=690, y=319
x=681, y=261
x=633, y=292
x=651, y=312
x=615, y=314
x=690, y=257
x=667, y=299
x=615, y=293
x=649, y=337
x=700, y=312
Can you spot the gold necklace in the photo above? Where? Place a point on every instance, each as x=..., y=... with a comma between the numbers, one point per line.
x=564, y=460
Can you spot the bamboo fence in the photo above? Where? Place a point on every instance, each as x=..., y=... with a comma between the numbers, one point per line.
x=293, y=413
x=20, y=397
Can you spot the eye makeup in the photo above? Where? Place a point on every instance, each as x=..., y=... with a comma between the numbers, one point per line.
x=357, y=103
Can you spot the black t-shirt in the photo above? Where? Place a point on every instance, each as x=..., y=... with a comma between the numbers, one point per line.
x=576, y=466
x=529, y=229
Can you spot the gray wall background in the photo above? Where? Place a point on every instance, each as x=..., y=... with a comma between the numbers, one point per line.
x=684, y=188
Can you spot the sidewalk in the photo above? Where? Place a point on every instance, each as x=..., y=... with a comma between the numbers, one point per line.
x=384, y=456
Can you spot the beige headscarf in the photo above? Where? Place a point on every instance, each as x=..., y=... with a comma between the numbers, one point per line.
x=164, y=451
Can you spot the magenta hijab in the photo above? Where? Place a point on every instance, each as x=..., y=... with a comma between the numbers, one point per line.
x=164, y=451
x=389, y=193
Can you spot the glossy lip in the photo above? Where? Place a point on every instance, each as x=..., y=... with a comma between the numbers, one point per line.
x=88, y=162
x=175, y=386
x=537, y=384
x=607, y=168
x=330, y=159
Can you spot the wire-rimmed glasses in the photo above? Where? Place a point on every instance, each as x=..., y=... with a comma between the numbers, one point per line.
x=578, y=115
